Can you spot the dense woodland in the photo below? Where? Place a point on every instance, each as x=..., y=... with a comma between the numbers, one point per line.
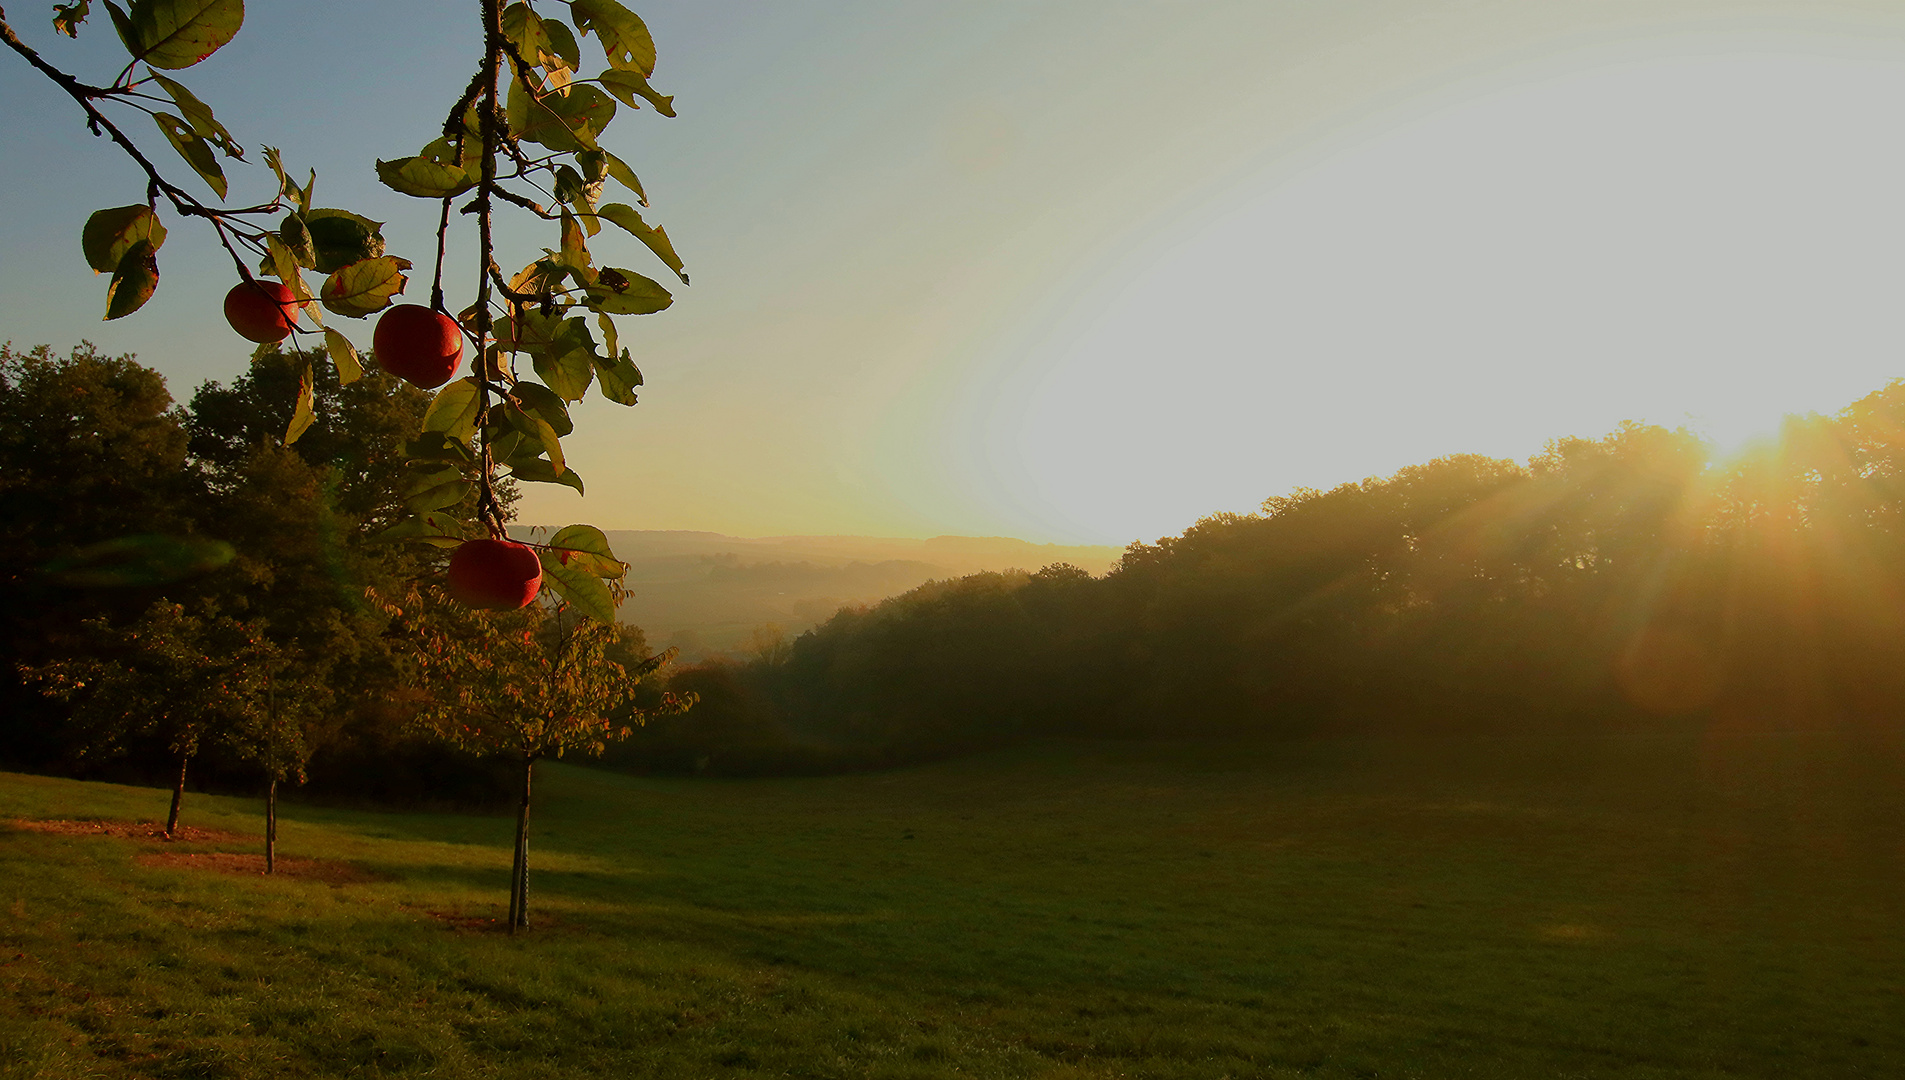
x=1625, y=580
x=1630, y=579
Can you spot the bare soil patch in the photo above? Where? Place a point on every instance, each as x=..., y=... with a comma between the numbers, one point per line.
x=327, y=871
x=136, y=830
x=481, y=924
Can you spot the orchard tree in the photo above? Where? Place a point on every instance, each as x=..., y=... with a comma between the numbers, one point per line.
x=182, y=678
x=524, y=685
x=281, y=700
x=526, y=134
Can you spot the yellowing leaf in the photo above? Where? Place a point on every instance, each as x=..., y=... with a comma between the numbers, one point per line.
x=67, y=17
x=284, y=266
x=304, y=415
x=365, y=286
x=423, y=178
x=344, y=355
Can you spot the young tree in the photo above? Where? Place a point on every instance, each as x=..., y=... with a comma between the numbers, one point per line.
x=173, y=675
x=281, y=700
x=525, y=685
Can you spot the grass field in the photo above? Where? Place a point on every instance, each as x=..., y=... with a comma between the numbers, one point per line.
x=1635, y=907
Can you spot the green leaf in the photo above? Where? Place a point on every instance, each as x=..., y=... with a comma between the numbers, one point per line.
x=586, y=548
x=562, y=122
x=563, y=43
x=575, y=250
x=199, y=115
x=193, y=149
x=541, y=401
x=438, y=491
x=584, y=110
x=611, y=341
x=568, y=374
x=424, y=178
x=625, y=176
x=340, y=238
x=284, y=266
x=619, y=378
x=584, y=591
x=344, y=356
x=624, y=37
x=537, y=428
x=173, y=34
x=657, y=240
x=527, y=331
x=438, y=446
x=133, y=281
x=295, y=235
x=437, y=530
x=453, y=411
x=67, y=17
x=506, y=446
x=305, y=414
x=109, y=234
x=629, y=85
x=541, y=472
x=365, y=286
x=524, y=29
x=625, y=292
x=122, y=25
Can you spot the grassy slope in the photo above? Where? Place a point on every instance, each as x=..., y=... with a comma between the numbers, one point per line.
x=1634, y=907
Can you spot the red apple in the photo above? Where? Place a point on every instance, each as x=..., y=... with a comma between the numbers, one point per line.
x=496, y=575
x=418, y=345
x=261, y=311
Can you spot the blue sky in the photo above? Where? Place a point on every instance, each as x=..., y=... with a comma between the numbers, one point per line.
x=1086, y=271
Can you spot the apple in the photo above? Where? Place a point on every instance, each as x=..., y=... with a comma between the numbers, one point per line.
x=419, y=345
x=261, y=311
x=496, y=575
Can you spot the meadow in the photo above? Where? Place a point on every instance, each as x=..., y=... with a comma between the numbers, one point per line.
x=1685, y=904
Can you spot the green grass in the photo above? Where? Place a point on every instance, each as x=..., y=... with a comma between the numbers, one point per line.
x=1633, y=907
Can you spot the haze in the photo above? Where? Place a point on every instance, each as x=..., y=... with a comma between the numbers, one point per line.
x=1083, y=272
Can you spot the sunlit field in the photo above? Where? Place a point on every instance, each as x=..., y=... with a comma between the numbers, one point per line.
x=1688, y=905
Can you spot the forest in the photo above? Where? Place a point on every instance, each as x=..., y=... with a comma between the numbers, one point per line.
x=1631, y=579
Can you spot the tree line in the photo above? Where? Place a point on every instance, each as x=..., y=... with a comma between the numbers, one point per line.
x=1636, y=578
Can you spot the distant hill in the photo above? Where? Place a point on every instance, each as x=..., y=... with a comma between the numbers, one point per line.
x=706, y=593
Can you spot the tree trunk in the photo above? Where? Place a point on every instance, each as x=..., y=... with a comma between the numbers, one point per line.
x=178, y=796
x=271, y=826
x=519, y=872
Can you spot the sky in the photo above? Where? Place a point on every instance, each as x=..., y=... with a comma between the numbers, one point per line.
x=1088, y=270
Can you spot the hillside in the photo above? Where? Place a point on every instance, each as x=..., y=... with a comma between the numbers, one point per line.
x=705, y=593
x=1670, y=906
